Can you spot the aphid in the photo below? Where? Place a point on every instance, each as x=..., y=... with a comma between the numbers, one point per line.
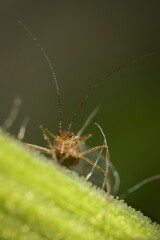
x=65, y=145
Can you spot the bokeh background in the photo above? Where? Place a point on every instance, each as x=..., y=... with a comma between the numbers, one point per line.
x=86, y=40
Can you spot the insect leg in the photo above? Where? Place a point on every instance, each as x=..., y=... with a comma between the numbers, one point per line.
x=96, y=163
x=41, y=149
x=93, y=150
x=49, y=133
x=85, y=137
x=46, y=136
x=108, y=162
x=92, y=163
x=98, y=167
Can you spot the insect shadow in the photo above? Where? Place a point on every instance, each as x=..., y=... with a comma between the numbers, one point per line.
x=65, y=146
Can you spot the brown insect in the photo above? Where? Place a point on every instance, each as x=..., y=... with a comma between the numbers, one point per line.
x=65, y=145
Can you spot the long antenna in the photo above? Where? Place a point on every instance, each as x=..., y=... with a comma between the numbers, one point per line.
x=104, y=78
x=51, y=68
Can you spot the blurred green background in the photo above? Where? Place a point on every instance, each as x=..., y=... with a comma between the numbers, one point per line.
x=86, y=40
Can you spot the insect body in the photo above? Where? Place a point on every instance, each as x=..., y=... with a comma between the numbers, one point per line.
x=65, y=146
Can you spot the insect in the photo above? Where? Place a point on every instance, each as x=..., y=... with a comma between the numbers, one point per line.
x=65, y=145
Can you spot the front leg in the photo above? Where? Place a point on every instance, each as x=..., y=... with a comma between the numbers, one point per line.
x=46, y=136
x=85, y=137
x=42, y=149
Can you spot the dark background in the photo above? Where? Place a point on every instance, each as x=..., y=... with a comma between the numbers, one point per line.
x=86, y=40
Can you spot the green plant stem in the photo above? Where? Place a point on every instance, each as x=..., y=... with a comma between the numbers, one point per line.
x=40, y=200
